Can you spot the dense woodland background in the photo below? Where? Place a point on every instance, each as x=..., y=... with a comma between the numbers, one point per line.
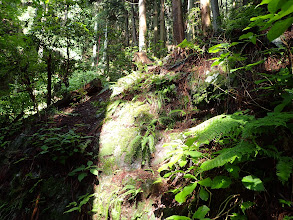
x=220, y=68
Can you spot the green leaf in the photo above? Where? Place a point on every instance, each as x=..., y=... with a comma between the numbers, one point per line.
x=182, y=163
x=253, y=183
x=207, y=182
x=89, y=163
x=44, y=148
x=279, y=28
x=285, y=202
x=177, y=217
x=193, y=154
x=73, y=209
x=218, y=47
x=246, y=205
x=218, y=62
x=201, y=212
x=187, y=190
x=273, y=6
x=94, y=171
x=168, y=174
x=189, y=176
x=284, y=169
x=203, y=194
x=81, y=168
x=264, y=2
x=237, y=216
x=248, y=35
x=221, y=182
x=233, y=170
x=190, y=141
x=81, y=176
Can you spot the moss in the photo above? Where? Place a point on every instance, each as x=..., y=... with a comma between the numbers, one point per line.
x=118, y=133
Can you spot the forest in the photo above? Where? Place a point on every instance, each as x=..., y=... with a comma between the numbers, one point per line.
x=146, y=109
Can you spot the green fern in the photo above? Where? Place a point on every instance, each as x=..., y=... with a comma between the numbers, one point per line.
x=229, y=155
x=284, y=168
x=263, y=125
x=217, y=127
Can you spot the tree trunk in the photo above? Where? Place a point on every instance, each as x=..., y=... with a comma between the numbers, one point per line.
x=95, y=44
x=205, y=15
x=134, y=35
x=189, y=25
x=104, y=59
x=126, y=27
x=156, y=27
x=66, y=74
x=178, y=25
x=126, y=30
x=49, y=75
x=142, y=25
x=216, y=14
x=162, y=26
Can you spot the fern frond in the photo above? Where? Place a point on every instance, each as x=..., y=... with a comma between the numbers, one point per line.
x=228, y=155
x=218, y=126
x=262, y=125
x=284, y=168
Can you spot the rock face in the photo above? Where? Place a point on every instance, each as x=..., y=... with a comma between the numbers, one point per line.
x=117, y=134
x=122, y=181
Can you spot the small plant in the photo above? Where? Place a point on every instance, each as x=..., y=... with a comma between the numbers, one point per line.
x=82, y=200
x=143, y=145
x=83, y=170
x=59, y=146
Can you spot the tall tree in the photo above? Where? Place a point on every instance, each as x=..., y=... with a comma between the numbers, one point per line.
x=142, y=24
x=162, y=26
x=133, y=22
x=178, y=25
x=205, y=15
x=189, y=21
x=156, y=26
x=216, y=15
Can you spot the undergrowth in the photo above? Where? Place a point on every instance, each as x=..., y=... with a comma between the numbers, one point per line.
x=239, y=140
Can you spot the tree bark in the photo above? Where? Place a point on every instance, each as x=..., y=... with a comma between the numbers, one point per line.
x=126, y=27
x=49, y=75
x=156, y=27
x=142, y=25
x=162, y=26
x=134, y=35
x=205, y=15
x=189, y=25
x=216, y=15
x=105, y=55
x=178, y=25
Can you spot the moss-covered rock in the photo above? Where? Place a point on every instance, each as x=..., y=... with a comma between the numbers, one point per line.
x=117, y=133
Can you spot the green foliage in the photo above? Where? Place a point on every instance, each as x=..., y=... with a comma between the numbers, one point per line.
x=201, y=212
x=284, y=169
x=82, y=200
x=279, y=18
x=185, y=44
x=240, y=18
x=243, y=133
x=59, y=146
x=82, y=171
x=253, y=183
x=143, y=145
x=186, y=191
